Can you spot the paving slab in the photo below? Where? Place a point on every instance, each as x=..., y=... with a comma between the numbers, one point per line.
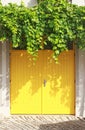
x=42, y=122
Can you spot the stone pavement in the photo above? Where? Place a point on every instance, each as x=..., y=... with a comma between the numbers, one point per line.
x=42, y=122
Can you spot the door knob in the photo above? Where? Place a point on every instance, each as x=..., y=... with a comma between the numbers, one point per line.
x=44, y=82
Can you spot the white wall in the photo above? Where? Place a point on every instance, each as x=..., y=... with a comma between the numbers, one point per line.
x=34, y=2
x=28, y=3
x=79, y=2
x=80, y=83
x=0, y=73
x=4, y=78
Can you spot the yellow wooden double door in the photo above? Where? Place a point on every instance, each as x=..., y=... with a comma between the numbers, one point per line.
x=41, y=86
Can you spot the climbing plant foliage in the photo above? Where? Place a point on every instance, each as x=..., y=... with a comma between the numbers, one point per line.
x=54, y=23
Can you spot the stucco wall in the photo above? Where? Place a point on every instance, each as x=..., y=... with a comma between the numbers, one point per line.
x=80, y=83
x=28, y=3
x=0, y=71
x=79, y=2
x=4, y=78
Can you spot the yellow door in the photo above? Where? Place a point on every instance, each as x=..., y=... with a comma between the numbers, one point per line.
x=58, y=89
x=42, y=87
x=25, y=83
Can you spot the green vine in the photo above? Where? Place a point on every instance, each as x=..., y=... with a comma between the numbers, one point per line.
x=54, y=23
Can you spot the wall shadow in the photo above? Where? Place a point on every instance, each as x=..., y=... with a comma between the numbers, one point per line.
x=65, y=125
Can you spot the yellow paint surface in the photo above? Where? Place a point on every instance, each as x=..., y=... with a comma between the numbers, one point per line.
x=58, y=93
x=42, y=86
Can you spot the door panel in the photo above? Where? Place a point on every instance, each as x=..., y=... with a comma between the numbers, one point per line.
x=58, y=89
x=26, y=82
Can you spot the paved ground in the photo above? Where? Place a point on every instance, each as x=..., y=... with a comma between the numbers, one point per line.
x=42, y=122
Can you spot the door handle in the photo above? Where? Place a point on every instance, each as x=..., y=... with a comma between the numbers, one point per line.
x=44, y=82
